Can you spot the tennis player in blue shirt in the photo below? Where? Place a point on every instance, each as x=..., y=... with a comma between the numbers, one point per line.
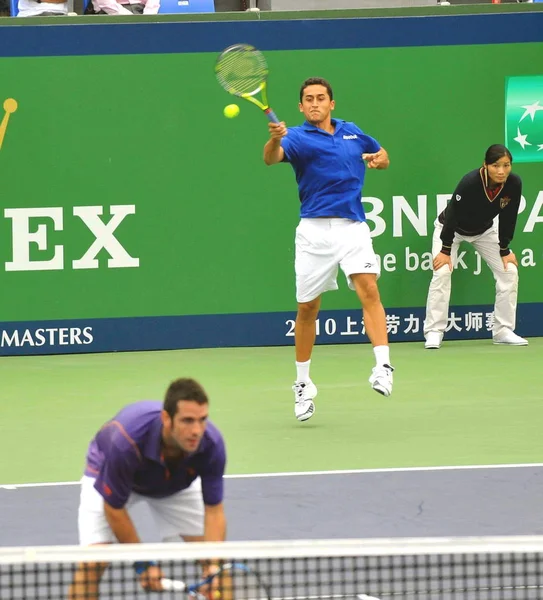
x=166, y=454
x=328, y=156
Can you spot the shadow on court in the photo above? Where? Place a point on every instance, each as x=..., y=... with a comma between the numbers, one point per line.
x=460, y=502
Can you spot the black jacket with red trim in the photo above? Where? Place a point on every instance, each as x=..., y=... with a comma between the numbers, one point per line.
x=474, y=206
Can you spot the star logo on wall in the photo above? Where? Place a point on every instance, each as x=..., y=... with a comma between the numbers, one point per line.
x=524, y=118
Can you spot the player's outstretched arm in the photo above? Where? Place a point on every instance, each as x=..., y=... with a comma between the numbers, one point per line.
x=273, y=152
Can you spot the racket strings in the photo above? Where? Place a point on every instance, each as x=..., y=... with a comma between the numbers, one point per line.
x=241, y=70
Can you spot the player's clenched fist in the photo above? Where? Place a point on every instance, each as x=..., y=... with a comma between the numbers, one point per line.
x=277, y=130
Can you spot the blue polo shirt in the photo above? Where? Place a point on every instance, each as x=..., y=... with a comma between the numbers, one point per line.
x=329, y=168
x=125, y=456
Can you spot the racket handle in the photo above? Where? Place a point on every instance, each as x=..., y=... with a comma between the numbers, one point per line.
x=272, y=116
x=173, y=585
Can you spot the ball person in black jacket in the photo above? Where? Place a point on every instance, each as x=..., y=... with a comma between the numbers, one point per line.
x=481, y=195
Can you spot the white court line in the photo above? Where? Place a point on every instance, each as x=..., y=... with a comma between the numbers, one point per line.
x=14, y=486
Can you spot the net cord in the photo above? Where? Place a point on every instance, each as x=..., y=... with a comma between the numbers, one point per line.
x=272, y=549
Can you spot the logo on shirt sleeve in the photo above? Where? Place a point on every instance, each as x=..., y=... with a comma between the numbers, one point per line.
x=106, y=489
x=458, y=197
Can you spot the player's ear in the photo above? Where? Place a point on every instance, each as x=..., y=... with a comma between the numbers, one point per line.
x=301, y=107
x=166, y=421
x=332, y=104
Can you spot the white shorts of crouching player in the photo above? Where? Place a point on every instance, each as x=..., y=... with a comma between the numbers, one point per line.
x=181, y=514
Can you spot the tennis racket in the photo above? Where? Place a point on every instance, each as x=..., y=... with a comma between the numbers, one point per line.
x=235, y=581
x=242, y=71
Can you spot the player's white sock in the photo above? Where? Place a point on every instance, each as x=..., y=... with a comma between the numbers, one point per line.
x=302, y=371
x=382, y=355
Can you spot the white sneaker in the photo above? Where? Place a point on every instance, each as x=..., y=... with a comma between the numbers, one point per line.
x=433, y=340
x=509, y=338
x=304, y=393
x=381, y=379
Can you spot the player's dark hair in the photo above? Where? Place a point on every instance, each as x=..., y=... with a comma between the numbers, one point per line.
x=316, y=81
x=183, y=389
x=495, y=152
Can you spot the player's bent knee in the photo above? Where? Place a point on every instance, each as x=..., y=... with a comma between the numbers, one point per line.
x=443, y=273
x=367, y=289
x=370, y=295
x=308, y=310
x=511, y=270
x=508, y=278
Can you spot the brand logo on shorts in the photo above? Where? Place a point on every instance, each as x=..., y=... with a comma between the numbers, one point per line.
x=458, y=197
x=524, y=118
x=350, y=137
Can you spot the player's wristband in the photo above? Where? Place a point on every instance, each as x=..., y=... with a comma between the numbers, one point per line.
x=142, y=566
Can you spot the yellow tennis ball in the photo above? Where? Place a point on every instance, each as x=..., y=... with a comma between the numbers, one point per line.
x=231, y=111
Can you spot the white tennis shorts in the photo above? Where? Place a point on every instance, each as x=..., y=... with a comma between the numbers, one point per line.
x=178, y=515
x=323, y=245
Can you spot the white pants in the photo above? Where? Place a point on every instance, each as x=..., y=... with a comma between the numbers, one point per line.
x=178, y=515
x=439, y=294
x=323, y=245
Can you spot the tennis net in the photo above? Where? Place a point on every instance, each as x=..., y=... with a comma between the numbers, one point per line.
x=488, y=568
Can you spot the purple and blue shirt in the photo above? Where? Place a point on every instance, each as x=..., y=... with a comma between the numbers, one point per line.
x=125, y=456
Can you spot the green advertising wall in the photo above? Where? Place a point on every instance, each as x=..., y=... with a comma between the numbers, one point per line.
x=203, y=227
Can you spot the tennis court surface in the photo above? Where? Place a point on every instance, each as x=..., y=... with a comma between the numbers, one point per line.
x=454, y=452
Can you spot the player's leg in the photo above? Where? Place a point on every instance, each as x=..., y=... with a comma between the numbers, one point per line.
x=305, y=333
x=361, y=267
x=505, y=307
x=439, y=294
x=86, y=581
x=93, y=530
x=316, y=272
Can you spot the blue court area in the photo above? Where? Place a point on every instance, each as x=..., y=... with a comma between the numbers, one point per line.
x=473, y=501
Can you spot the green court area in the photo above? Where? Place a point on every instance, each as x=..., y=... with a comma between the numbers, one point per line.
x=469, y=403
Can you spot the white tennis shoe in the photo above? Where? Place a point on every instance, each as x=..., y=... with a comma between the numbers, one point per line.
x=509, y=338
x=304, y=394
x=381, y=379
x=433, y=340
